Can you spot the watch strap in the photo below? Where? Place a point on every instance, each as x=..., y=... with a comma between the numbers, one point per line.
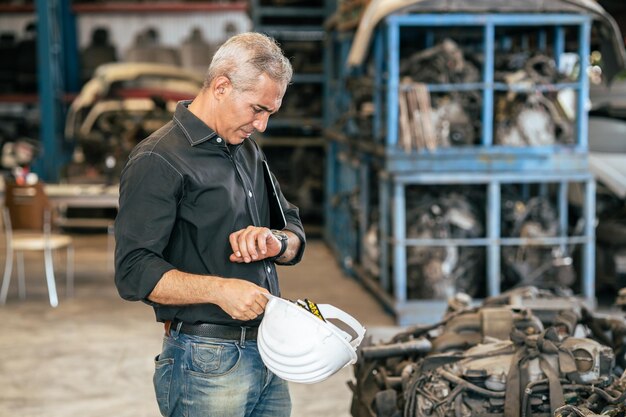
x=284, y=241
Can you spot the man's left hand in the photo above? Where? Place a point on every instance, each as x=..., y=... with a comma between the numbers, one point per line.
x=253, y=244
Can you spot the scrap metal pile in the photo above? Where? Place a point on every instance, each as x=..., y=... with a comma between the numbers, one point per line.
x=527, y=352
x=121, y=105
x=545, y=267
x=436, y=272
x=429, y=121
x=522, y=116
x=457, y=212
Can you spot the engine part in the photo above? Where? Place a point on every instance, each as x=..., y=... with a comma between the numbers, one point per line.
x=547, y=267
x=443, y=63
x=440, y=271
x=533, y=120
x=569, y=364
x=448, y=121
x=121, y=105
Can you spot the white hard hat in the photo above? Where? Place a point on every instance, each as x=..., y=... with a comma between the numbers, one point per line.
x=303, y=347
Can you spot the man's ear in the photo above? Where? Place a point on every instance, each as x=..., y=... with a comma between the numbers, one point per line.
x=221, y=86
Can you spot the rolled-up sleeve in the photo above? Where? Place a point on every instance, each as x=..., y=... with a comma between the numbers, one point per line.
x=150, y=189
x=294, y=224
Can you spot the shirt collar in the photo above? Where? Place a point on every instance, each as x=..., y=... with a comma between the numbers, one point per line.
x=195, y=130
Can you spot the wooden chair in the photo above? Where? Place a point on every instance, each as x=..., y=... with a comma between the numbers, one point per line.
x=28, y=228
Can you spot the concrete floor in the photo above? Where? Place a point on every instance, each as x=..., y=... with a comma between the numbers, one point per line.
x=92, y=355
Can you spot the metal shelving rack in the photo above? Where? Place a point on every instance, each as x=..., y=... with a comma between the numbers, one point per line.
x=299, y=124
x=383, y=170
x=57, y=78
x=58, y=63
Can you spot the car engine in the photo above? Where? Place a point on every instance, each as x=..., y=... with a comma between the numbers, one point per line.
x=527, y=352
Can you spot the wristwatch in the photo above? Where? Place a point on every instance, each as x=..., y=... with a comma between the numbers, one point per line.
x=283, y=239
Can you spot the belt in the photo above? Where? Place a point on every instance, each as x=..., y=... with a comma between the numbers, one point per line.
x=217, y=331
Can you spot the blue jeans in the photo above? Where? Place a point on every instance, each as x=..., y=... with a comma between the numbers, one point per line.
x=205, y=377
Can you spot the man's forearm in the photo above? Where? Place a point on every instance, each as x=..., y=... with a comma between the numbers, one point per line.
x=240, y=299
x=180, y=288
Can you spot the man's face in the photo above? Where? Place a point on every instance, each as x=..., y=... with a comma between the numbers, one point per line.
x=243, y=113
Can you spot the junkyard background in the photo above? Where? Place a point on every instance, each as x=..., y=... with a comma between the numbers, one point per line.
x=463, y=163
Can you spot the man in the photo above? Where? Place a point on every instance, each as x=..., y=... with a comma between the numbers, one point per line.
x=194, y=240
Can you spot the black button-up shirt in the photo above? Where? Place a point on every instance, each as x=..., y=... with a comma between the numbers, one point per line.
x=182, y=193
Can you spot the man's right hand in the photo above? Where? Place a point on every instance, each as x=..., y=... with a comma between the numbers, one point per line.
x=240, y=299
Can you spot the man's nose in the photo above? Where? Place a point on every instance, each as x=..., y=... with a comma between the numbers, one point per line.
x=260, y=122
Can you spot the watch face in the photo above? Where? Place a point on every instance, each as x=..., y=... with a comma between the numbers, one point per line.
x=284, y=241
x=279, y=235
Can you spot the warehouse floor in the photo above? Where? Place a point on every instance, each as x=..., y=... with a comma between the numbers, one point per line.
x=92, y=355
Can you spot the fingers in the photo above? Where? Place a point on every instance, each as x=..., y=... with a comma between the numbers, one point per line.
x=249, y=244
x=249, y=305
x=234, y=244
x=261, y=241
x=257, y=308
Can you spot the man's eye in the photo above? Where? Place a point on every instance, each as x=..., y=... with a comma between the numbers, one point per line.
x=257, y=110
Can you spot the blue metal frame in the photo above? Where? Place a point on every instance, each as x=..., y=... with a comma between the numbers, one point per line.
x=341, y=233
x=336, y=102
x=499, y=155
x=493, y=239
x=57, y=71
x=392, y=226
x=51, y=86
x=486, y=164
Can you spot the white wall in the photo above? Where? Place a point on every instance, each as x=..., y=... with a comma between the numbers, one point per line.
x=15, y=22
x=173, y=27
x=123, y=27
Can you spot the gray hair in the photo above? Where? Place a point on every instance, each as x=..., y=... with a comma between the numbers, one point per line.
x=244, y=57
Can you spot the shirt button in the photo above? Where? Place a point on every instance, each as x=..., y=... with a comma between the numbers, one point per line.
x=250, y=194
x=218, y=140
x=269, y=269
